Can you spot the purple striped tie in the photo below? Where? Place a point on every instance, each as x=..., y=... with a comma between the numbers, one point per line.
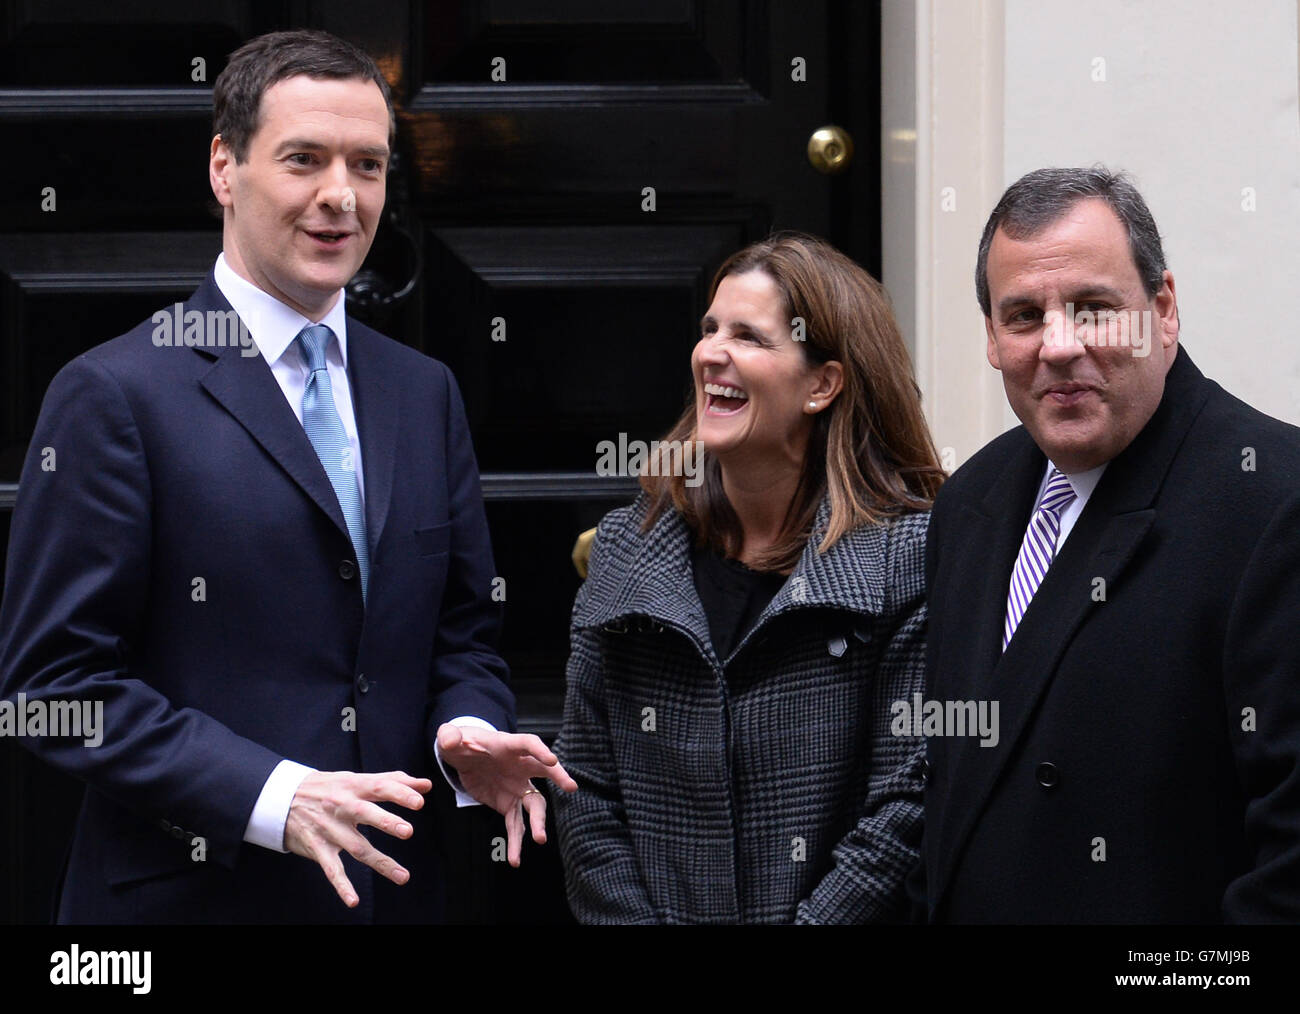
x=1037, y=550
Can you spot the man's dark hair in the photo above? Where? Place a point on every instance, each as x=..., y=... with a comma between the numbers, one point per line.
x=1040, y=198
x=268, y=59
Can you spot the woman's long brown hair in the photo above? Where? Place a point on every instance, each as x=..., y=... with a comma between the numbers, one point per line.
x=870, y=447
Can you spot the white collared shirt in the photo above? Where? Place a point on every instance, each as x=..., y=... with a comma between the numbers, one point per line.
x=273, y=327
x=1083, y=483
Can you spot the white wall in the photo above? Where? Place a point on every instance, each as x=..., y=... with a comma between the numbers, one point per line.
x=1198, y=99
x=941, y=116
x=1199, y=102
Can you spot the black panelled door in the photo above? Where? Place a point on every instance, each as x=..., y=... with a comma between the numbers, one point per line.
x=569, y=174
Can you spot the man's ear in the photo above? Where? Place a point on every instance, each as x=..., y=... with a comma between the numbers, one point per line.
x=991, y=350
x=1166, y=310
x=221, y=164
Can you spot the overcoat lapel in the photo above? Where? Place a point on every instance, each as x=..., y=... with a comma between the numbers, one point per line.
x=1105, y=539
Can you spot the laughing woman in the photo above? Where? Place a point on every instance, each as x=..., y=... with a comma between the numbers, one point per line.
x=739, y=641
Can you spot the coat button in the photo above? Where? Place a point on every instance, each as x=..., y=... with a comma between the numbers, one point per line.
x=1047, y=774
x=347, y=570
x=925, y=769
x=363, y=684
x=837, y=646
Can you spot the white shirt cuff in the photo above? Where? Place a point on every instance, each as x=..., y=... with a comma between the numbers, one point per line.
x=271, y=811
x=463, y=798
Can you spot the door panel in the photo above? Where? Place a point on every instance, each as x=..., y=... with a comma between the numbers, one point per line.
x=520, y=201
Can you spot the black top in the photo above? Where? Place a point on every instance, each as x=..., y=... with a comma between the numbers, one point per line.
x=733, y=596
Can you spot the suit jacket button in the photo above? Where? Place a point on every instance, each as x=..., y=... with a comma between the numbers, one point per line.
x=347, y=570
x=1048, y=776
x=363, y=684
x=837, y=646
x=925, y=769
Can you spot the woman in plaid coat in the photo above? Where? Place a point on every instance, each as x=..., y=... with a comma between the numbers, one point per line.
x=745, y=627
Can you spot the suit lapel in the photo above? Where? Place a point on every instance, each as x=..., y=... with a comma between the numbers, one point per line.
x=376, y=409
x=247, y=389
x=1105, y=539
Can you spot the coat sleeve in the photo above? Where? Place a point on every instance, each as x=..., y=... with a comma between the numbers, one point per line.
x=75, y=608
x=468, y=677
x=601, y=872
x=1262, y=696
x=867, y=881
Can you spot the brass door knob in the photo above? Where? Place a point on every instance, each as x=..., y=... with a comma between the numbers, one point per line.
x=830, y=150
x=582, y=552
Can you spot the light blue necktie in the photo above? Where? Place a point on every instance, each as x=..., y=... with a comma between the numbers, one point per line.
x=325, y=431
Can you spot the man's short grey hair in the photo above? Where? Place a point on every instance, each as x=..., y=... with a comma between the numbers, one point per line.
x=1038, y=199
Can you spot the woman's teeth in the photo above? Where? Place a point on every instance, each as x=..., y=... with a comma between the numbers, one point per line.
x=722, y=399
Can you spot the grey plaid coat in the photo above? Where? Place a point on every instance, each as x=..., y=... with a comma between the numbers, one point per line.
x=761, y=788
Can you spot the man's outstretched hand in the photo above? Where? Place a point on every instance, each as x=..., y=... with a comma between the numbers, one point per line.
x=329, y=805
x=495, y=767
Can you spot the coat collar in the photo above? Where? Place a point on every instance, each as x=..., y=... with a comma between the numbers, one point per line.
x=651, y=575
x=1107, y=531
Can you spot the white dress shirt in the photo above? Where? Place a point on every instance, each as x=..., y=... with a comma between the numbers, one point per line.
x=273, y=327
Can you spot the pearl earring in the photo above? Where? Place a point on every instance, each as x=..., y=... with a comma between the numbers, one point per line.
x=812, y=404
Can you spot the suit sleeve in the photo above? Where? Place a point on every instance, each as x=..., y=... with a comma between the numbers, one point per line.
x=469, y=677
x=867, y=882
x=1262, y=695
x=75, y=608
x=601, y=871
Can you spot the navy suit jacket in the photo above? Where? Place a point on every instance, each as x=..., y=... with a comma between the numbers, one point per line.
x=185, y=562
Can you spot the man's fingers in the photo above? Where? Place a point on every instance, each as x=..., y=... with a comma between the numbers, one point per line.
x=394, y=787
x=421, y=785
x=531, y=767
x=377, y=816
x=328, y=807
x=525, y=744
x=535, y=806
x=514, y=834
x=333, y=866
x=449, y=737
x=363, y=852
x=453, y=739
x=560, y=777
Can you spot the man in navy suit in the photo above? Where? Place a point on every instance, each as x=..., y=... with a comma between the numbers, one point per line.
x=273, y=569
